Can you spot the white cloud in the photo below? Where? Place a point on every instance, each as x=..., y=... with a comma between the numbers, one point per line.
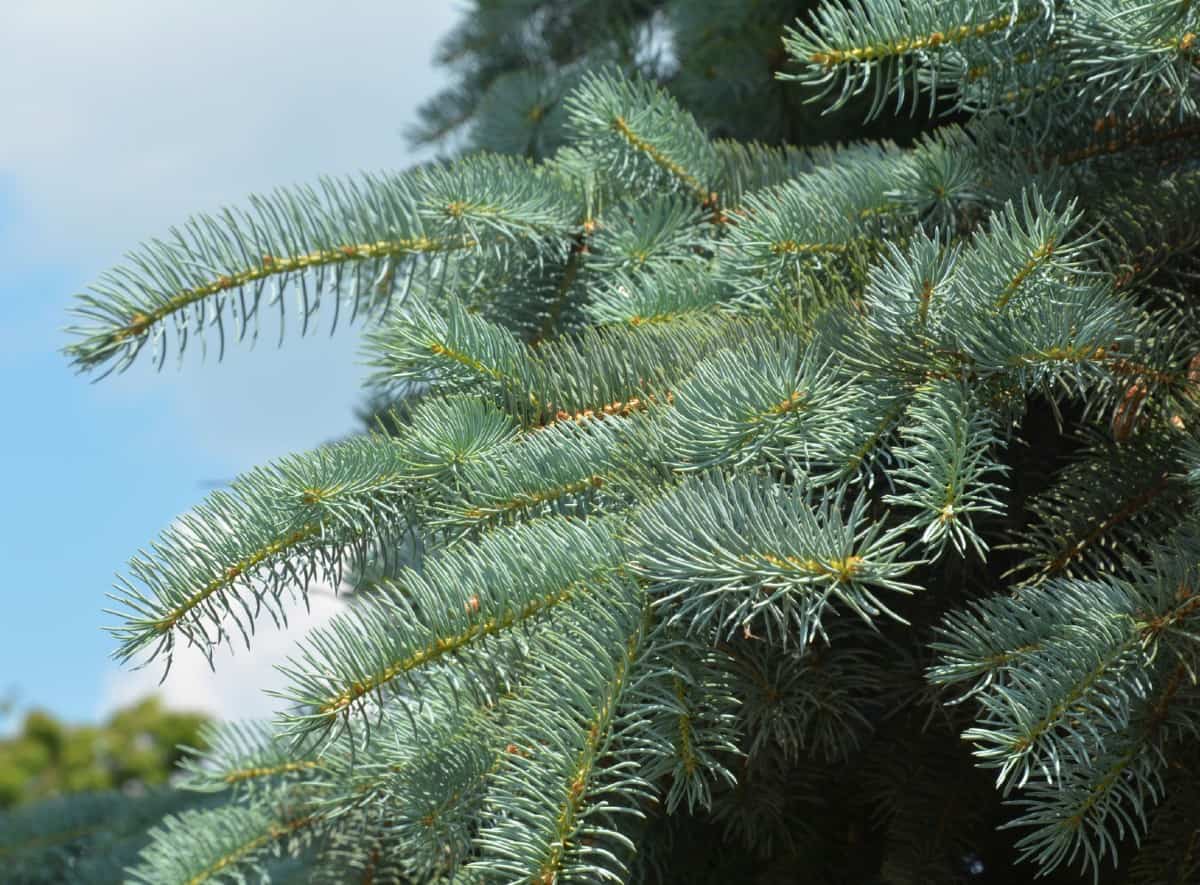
x=236, y=686
x=122, y=117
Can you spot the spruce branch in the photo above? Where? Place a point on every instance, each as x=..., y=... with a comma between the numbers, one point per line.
x=1131, y=54
x=735, y=554
x=945, y=469
x=1063, y=669
x=280, y=528
x=450, y=347
x=200, y=846
x=1085, y=813
x=691, y=739
x=814, y=219
x=1101, y=506
x=979, y=642
x=490, y=198
x=458, y=351
x=562, y=789
x=813, y=703
x=244, y=755
x=1077, y=817
x=682, y=290
x=419, y=785
x=645, y=236
x=1148, y=225
x=568, y=468
x=1061, y=701
x=353, y=234
x=853, y=46
x=275, y=531
x=453, y=607
x=604, y=370
x=348, y=238
x=771, y=401
x=639, y=131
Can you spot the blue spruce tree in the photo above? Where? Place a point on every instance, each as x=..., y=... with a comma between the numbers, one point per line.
x=758, y=500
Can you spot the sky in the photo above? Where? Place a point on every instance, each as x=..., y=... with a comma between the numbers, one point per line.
x=121, y=119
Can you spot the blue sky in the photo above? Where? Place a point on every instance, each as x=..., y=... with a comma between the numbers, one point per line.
x=121, y=119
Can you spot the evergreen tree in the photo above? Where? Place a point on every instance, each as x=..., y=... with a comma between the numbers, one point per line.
x=748, y=512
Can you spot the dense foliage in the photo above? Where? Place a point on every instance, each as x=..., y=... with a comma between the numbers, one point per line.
x=137, y=746
x=748, y=512
x=88, y=792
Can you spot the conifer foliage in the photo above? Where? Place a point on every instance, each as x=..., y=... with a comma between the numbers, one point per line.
x=748, y=512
